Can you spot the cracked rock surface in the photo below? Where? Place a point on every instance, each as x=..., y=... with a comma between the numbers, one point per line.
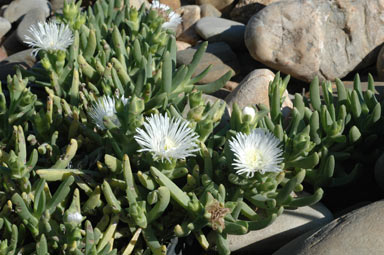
x=327, y=38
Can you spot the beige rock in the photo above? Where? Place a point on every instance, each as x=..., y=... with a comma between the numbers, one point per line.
x=287, y=226
x=231, y=85
x=208, y=10
x=174, y=4
x=358, y=232
x=316, y=37
x=218, y=4
x=190, y=15
x=137, y=3
x=182, y=45
x=253, y=89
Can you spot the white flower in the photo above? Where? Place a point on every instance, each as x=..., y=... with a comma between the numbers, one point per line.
x=172, y=19
x=257, y=152
x=49, y=36
x=167, y=138
x=74, y=218
x=249, y=111
x=104, y=106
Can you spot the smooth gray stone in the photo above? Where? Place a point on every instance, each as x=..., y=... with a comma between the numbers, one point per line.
x=216, y=29
x=290, y=224
x=5, y=26
x=32, y=17
x=356, y=233
x=18, y=8
x=208, y=10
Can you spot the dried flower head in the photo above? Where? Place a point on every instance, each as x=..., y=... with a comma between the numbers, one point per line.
x=257, y=152
x=218, y=212
x=49, y=36
x=172, y=19
x=105, y=106
x=167, y=138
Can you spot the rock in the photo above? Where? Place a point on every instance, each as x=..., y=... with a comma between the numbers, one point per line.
x=182, y=45
x=137, y=3
x=358, y=232
x=287, y=226
x=190, y=15
x=379, y=172
x=57, y=4
x=18, y=8
x=23, y=58
x=208, y=10
x=5, y=26
x=32, y=17
x=218, y=4
x=219, y=55
x=218, y=29
x=12, y=45
x=311, y=37
x=174, y=4
x=253, y=89
x=231, y=85
x=245, y=9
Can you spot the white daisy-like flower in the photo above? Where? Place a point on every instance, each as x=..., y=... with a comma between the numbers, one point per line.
x=49, y=36
x=172, y=19
x=257, y=152
x=105, y=106
x=167, y=138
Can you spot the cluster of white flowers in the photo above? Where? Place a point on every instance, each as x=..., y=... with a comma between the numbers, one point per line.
x=172, y=19
x=49, y=36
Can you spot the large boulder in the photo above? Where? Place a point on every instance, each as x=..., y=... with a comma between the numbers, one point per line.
x=358, y=232
x=316, y=37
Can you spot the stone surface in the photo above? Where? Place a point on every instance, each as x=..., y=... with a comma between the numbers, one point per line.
x=358, y=232
x=316, y=37
x=253, y=89
x=182, y=45
x=218, y=29
x=208, y=10
x=174, y=4
x=57, y=4
x=245, y=9
x=218, y=4
x=23, y=58
x=287, y=226
x=190, y=15
x=32, y=17
x=5, y=26
x=137, y=3
x=18, y=8
x=219, y=55
x=231, y=85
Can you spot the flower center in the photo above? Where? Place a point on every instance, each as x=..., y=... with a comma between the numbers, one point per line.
x=169, y=144
x=254, y=158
